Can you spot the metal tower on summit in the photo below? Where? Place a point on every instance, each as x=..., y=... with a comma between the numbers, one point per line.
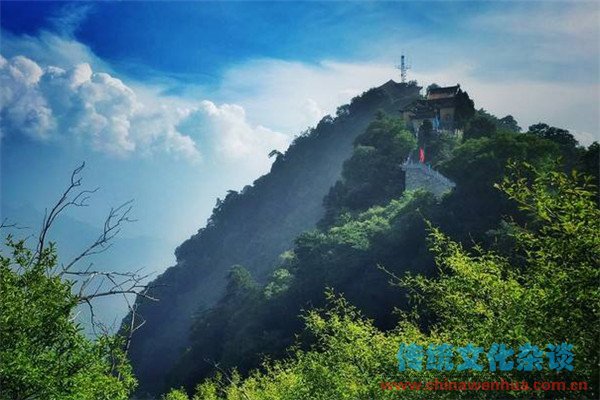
x=403, y=67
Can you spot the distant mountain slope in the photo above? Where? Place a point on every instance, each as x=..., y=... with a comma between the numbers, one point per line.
x=252, y=228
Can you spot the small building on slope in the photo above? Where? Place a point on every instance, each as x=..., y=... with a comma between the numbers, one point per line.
x=439, y=107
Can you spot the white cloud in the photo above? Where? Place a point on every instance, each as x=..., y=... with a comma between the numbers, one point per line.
x=232, y=137
x=96, y=109
x=69, y=17
x=93, y=108
x=22, y=105
x=47, y=48
x=312, y=111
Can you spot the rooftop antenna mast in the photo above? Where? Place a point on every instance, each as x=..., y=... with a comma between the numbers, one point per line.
x=403, y=67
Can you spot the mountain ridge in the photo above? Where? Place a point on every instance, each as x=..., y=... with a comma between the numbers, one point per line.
x=285, y=202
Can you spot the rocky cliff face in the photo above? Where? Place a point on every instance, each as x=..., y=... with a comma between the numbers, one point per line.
x=252, y=228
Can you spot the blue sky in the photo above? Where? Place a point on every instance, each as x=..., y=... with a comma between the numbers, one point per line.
x=172, y=104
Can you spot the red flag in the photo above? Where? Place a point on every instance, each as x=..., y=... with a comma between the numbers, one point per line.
x=421, y=155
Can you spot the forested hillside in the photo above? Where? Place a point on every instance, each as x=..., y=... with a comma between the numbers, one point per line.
x=481, y=304
x=252, y=228
x=333, y=213
x=370, y=222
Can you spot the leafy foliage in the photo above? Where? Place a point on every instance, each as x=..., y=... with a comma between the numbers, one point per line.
x=440, y=148
x=373, y=175
x=552, y=298
x=465, y=109
x=557, y=135
x=588, y=161
x=44, y=353
x=475, y=206
x=480, y=126
x=478, y=297
x=508, y=123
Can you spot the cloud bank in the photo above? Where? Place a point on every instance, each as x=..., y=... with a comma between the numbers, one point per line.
x=95, y=109
x=53, y=104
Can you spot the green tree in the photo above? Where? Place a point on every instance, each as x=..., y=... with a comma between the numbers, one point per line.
x=465, y=109
x=280, y=282
x=426, y=135
x=589, y=162
x=475, y=166
x=44, y=353
x=570, y=150
x=373, y=175
x=480, y=126
x=176, y=394
x=441, y=148
x=546, y=292
x=508, y=123
x=560, y=136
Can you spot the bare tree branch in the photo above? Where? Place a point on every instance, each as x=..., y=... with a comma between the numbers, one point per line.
x=112, y=227
x=68, y=199
x=90, y=284
x=11, y=225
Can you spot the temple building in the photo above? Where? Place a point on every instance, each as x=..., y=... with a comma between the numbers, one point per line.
x=439, y=107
